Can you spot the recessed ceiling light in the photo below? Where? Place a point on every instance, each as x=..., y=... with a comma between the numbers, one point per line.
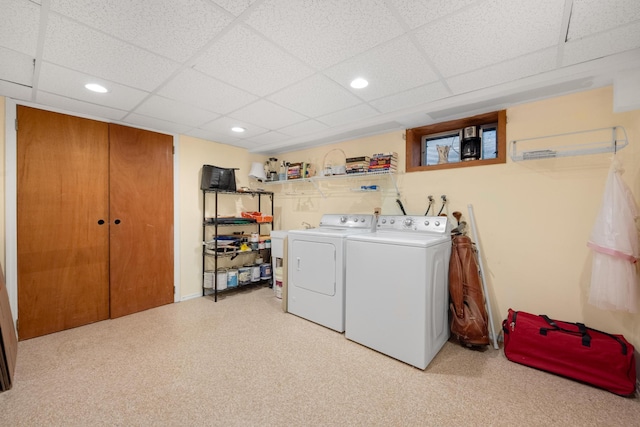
x=238, y=129
x=94, y=87
x=359, y=83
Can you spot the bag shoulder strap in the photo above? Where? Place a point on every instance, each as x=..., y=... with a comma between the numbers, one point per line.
x=583, y=331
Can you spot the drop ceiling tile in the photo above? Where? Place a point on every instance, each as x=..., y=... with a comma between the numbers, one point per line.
x=19, y=23
x=602, y=44
x=246, y=144
x=323, y=33
x=16, y=67
x=174, y=29
x=349, y=115
x=175, y=111
x=223, y=125
x=411, y=98
x=194, y=88
x=504, y=72
x=212, y=136
x=390, y=68
x=236, y=7
x=417, y=13
x=315, y=96
x=16, y=91
x=70, y=84
x=269, y=138
x=304, y=128
x=490, y=32
x=79, y=107
x=92, y=52
x=245, y=59
x=594, y=16
x=268, y=115
x=154, y=124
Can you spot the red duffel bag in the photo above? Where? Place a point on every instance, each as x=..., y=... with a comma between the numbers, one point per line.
x=571, y=350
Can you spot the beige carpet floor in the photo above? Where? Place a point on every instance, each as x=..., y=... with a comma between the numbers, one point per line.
x=243, y=362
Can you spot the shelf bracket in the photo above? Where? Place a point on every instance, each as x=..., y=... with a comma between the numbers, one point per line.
x=317, y=187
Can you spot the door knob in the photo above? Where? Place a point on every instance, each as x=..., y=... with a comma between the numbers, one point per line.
x=117, y=221
x=100, y=221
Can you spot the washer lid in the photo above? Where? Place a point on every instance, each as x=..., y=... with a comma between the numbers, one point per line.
x=401, y=238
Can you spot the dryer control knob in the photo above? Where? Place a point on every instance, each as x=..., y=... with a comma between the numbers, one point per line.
x=408, y=222
x=437, y=223
x=384, y=221
x=361, y=219
x=392, y=221
x=426, y=223
x=343, y=219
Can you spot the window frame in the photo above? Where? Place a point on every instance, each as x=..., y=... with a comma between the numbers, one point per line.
x=414, y=138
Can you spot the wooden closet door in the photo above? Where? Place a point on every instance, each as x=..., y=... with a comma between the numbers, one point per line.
x=141, y=208
x=63, y=251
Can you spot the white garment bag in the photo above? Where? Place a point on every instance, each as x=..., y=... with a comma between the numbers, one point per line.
x=616, y=247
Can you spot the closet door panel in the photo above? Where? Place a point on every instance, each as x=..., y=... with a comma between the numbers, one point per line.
x=141, y=230
x=63, y=251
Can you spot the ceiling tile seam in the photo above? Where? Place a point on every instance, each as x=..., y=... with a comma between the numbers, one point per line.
x=125, y=85
x=369, y=101
x=45, y=8
x=603, y=32
x=164, y=120
x=228, y=115
x=564, y=31
x=111, y=36
x=192, y=61
x=504, y=61
x=281, y=49
x=225, y=11
x=15, y=83
x=64, y=17
x=366, y=52
x=124, y=112
x=315, y=70
x=245, y=13
x=411, y=34
x=188, y=63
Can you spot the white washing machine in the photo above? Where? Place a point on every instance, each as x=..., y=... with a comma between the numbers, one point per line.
x=316, y=259
x=397, y=298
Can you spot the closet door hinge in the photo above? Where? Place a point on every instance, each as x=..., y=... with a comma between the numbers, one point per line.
x=173, y=150
x=16, y=124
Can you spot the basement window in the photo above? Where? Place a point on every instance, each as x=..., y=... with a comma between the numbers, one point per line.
x=472, y=141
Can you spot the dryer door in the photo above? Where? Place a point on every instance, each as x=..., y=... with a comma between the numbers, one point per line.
x=312, y=266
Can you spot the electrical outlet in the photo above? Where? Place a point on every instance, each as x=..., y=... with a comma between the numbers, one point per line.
x=377, y=211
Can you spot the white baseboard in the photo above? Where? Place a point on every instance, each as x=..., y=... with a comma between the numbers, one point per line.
x=192, y=296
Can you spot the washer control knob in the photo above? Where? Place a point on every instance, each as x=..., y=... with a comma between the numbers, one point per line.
x=392, y=221
x=437, y=223
x=343, y=219
x=426, y=223
x=361, y=219
x=408, y=222
x=384, y=221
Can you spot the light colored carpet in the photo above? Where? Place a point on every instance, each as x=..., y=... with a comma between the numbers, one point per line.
x=243, y=362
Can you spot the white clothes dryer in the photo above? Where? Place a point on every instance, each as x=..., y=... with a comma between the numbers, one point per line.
x=397, y=296
x=316, y=259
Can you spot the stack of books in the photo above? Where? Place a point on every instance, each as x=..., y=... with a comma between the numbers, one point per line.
x=358, y=164
x=294, y=171
x=383, y=162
